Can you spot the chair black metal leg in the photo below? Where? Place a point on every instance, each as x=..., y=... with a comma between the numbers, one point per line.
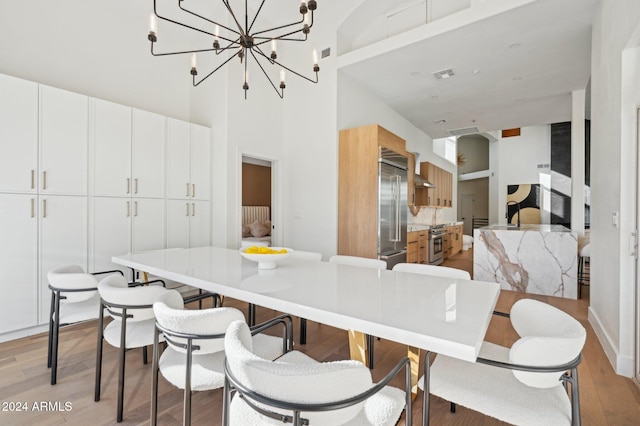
x=51, y=311
x=145, y=359
x=121, y=363
x=187, y=386
x=54, y=343
x=575, y=398
x=303, y=331
x=251, y=314
x=370, y=340
x=425, y=394
x=452, y=407
x=99, y=353
x=154, y=387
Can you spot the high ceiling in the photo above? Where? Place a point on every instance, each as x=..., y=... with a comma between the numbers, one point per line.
x=514, y=69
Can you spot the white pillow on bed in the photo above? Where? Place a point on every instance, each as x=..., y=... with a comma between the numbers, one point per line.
x=258, y=229
x=246, y=231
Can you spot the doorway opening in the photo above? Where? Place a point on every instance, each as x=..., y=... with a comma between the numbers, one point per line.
x=257, y=202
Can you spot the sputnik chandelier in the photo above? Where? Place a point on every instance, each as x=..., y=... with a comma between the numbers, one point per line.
x=240, y=40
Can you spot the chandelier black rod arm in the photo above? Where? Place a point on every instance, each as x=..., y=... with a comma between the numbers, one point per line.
x=283, y=26
x=226, y=3
x=287, y=68
x=211, y=73
x=206, y=19
x=254, y=16
x=233, y=44
x=267, y=40
x=155, y=12
x=179, y=52
x=267, y=75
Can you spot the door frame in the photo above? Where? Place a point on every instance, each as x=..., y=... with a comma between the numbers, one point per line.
x=276, y=211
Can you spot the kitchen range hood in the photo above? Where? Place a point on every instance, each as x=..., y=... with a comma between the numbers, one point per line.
x=421, y=182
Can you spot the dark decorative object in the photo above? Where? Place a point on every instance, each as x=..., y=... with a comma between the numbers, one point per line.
x=523, y=200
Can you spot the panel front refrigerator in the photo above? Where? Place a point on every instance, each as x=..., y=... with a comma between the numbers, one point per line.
x=392, y=207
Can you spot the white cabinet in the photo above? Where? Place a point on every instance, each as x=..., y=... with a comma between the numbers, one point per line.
x=18, y=135
x=121, y=225
x=63, y=143
x=110, y=136
x=62, y=240
x=188, y=160
x=110, y=231
x=147, y=155
x=200, y=171
x=188, y=223
x=148, y=224
x=18, y=262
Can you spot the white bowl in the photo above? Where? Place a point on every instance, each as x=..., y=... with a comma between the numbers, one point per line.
x=266, y=261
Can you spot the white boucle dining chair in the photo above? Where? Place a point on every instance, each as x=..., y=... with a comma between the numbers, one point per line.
x=74, y=298
x=299, y=390
x=194, y=357
x=433, y=270
x=365, y=262
x=525, y=384
x=131, y=309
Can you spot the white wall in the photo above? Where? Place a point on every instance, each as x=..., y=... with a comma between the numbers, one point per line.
x=358, y=107
x=615, y=95
x=518, y=157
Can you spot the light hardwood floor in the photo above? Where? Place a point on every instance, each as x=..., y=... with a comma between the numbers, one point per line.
x=606, y=398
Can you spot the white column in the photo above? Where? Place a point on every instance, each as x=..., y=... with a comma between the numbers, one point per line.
x=577, y=160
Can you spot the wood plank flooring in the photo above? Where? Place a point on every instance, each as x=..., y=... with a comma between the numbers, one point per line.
x=606, y=398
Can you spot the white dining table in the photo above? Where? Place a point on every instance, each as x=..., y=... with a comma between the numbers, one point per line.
x=443, y=315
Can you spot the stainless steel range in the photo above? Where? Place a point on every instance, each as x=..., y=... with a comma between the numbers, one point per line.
x=436, y=244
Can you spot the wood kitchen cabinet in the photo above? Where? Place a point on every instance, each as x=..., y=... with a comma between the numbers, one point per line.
x=357, y=188
x=452, y=241
x=442, y=194
x=417, y=247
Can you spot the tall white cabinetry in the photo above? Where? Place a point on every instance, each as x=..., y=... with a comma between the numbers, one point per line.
x=127, y=203
x=81, y=180
x=43, y=146
x=188, y=184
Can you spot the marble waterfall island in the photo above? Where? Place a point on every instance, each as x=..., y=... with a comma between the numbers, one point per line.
x=539, y=259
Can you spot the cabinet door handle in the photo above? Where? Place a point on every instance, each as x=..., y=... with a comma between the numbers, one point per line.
x=193, y=189
x=187, y=189
x=44, y=180
x=135, y=208
x=187, y=210
x=128, y=208
x=33, y=179
x=128, y=185
x=44, y=208
x=33, y=207
x=136, y=184
x=193, y=209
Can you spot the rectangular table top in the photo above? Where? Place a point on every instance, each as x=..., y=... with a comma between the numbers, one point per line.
x=443, y=315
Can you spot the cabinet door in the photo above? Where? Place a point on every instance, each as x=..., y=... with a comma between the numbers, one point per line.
x=18, y=262
x=63, y=240
x=200, y=224
x=110, y=129
x=110, y=232
x=178, y=217
x=200, y=176
x=178, y=154
x=148, y=226
x=148, y=147
x=63, y=142
x=18, y=134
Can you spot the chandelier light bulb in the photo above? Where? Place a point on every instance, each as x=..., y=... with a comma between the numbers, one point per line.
x=282, y=75
x=315, y=57
x=153, y=24
x=193, y=61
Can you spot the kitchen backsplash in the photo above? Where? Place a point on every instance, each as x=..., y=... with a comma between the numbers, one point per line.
x=430, y=215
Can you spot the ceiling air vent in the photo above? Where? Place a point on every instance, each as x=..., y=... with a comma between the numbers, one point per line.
x=441, y=75
x=464, y=131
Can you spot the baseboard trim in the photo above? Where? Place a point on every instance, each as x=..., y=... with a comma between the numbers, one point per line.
x=622, y=365
x=25, y=332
